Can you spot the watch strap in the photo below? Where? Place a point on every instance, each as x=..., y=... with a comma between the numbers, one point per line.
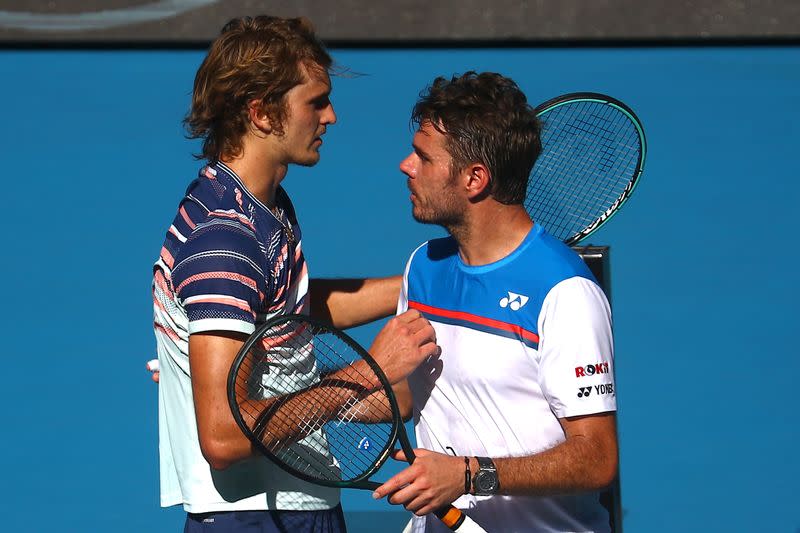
x=485, y=463
x=486, y=467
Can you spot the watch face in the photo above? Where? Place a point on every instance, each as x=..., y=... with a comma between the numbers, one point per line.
x=486, y=482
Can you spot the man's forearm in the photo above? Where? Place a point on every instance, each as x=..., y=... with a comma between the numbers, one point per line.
x=348, y=303
x=573, y=466
x=583, y=462
x=345, y=395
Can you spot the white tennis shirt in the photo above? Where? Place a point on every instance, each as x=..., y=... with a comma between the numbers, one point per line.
x=525, y=341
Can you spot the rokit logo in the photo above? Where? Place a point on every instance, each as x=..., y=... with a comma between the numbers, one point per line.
x=599, y=390
x=591, y=370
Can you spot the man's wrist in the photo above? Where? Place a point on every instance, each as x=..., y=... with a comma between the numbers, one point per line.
x=467, y=476
x=473, y=467
x=485, y=481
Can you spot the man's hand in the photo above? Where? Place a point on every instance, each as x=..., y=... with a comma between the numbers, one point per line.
x=404, y=342
x=152, y=366
x=433, y=481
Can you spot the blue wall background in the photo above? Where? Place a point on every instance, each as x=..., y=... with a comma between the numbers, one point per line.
x=94, y=163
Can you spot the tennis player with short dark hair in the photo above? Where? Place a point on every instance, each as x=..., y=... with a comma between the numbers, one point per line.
x=523, y=390
x=233, y=258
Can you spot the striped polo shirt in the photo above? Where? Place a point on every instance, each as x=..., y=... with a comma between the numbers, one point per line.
x=228, y=264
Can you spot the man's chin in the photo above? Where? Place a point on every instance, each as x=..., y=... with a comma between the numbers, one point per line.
x=429, y=218
x=420, y=217
x=308, y=161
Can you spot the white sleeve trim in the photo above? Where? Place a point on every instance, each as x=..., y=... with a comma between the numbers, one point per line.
x=221, y=324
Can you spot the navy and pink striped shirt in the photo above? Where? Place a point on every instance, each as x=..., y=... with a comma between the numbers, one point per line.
x=228, y=264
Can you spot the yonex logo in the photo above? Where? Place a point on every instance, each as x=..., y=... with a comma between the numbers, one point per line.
x=605, y=388
x=514, y=301
x=364, y=444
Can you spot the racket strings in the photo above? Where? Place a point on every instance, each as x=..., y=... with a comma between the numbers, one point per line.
x=577, y=207
x=584, y=164
x=301, y=393
x=590, y=151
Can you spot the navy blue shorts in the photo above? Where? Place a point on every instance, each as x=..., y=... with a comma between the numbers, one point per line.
x=328, y=521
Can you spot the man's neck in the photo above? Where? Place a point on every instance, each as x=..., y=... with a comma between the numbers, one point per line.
x=491, y=233
x=259, y=172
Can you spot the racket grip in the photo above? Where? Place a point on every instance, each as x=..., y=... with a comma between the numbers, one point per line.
x=456, y=520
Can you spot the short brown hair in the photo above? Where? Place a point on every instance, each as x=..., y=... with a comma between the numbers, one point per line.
x=485, y=118
x=254, y=58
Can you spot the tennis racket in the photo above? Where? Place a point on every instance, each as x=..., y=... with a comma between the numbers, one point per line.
x=318, y=405
x=593, y=152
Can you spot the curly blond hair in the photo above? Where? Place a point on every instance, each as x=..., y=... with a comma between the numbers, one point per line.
x=254, y=58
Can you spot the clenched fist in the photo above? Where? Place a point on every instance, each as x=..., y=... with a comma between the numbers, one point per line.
x=405, y=342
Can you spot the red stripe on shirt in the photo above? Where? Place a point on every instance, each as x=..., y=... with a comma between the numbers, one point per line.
x=468, y=317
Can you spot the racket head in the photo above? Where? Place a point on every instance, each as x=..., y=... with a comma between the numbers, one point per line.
x=285, y=358
x=593, y=153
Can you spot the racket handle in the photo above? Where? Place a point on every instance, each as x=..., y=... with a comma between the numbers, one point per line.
x=456, y=520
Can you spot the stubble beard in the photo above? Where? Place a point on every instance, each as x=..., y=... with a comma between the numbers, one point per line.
x=448, y=214
x=447, y=211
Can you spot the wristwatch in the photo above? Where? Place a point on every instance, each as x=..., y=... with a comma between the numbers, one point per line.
x=485, y=481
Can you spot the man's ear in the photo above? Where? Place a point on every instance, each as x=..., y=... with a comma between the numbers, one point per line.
x=478, y=180
x=259, y=117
